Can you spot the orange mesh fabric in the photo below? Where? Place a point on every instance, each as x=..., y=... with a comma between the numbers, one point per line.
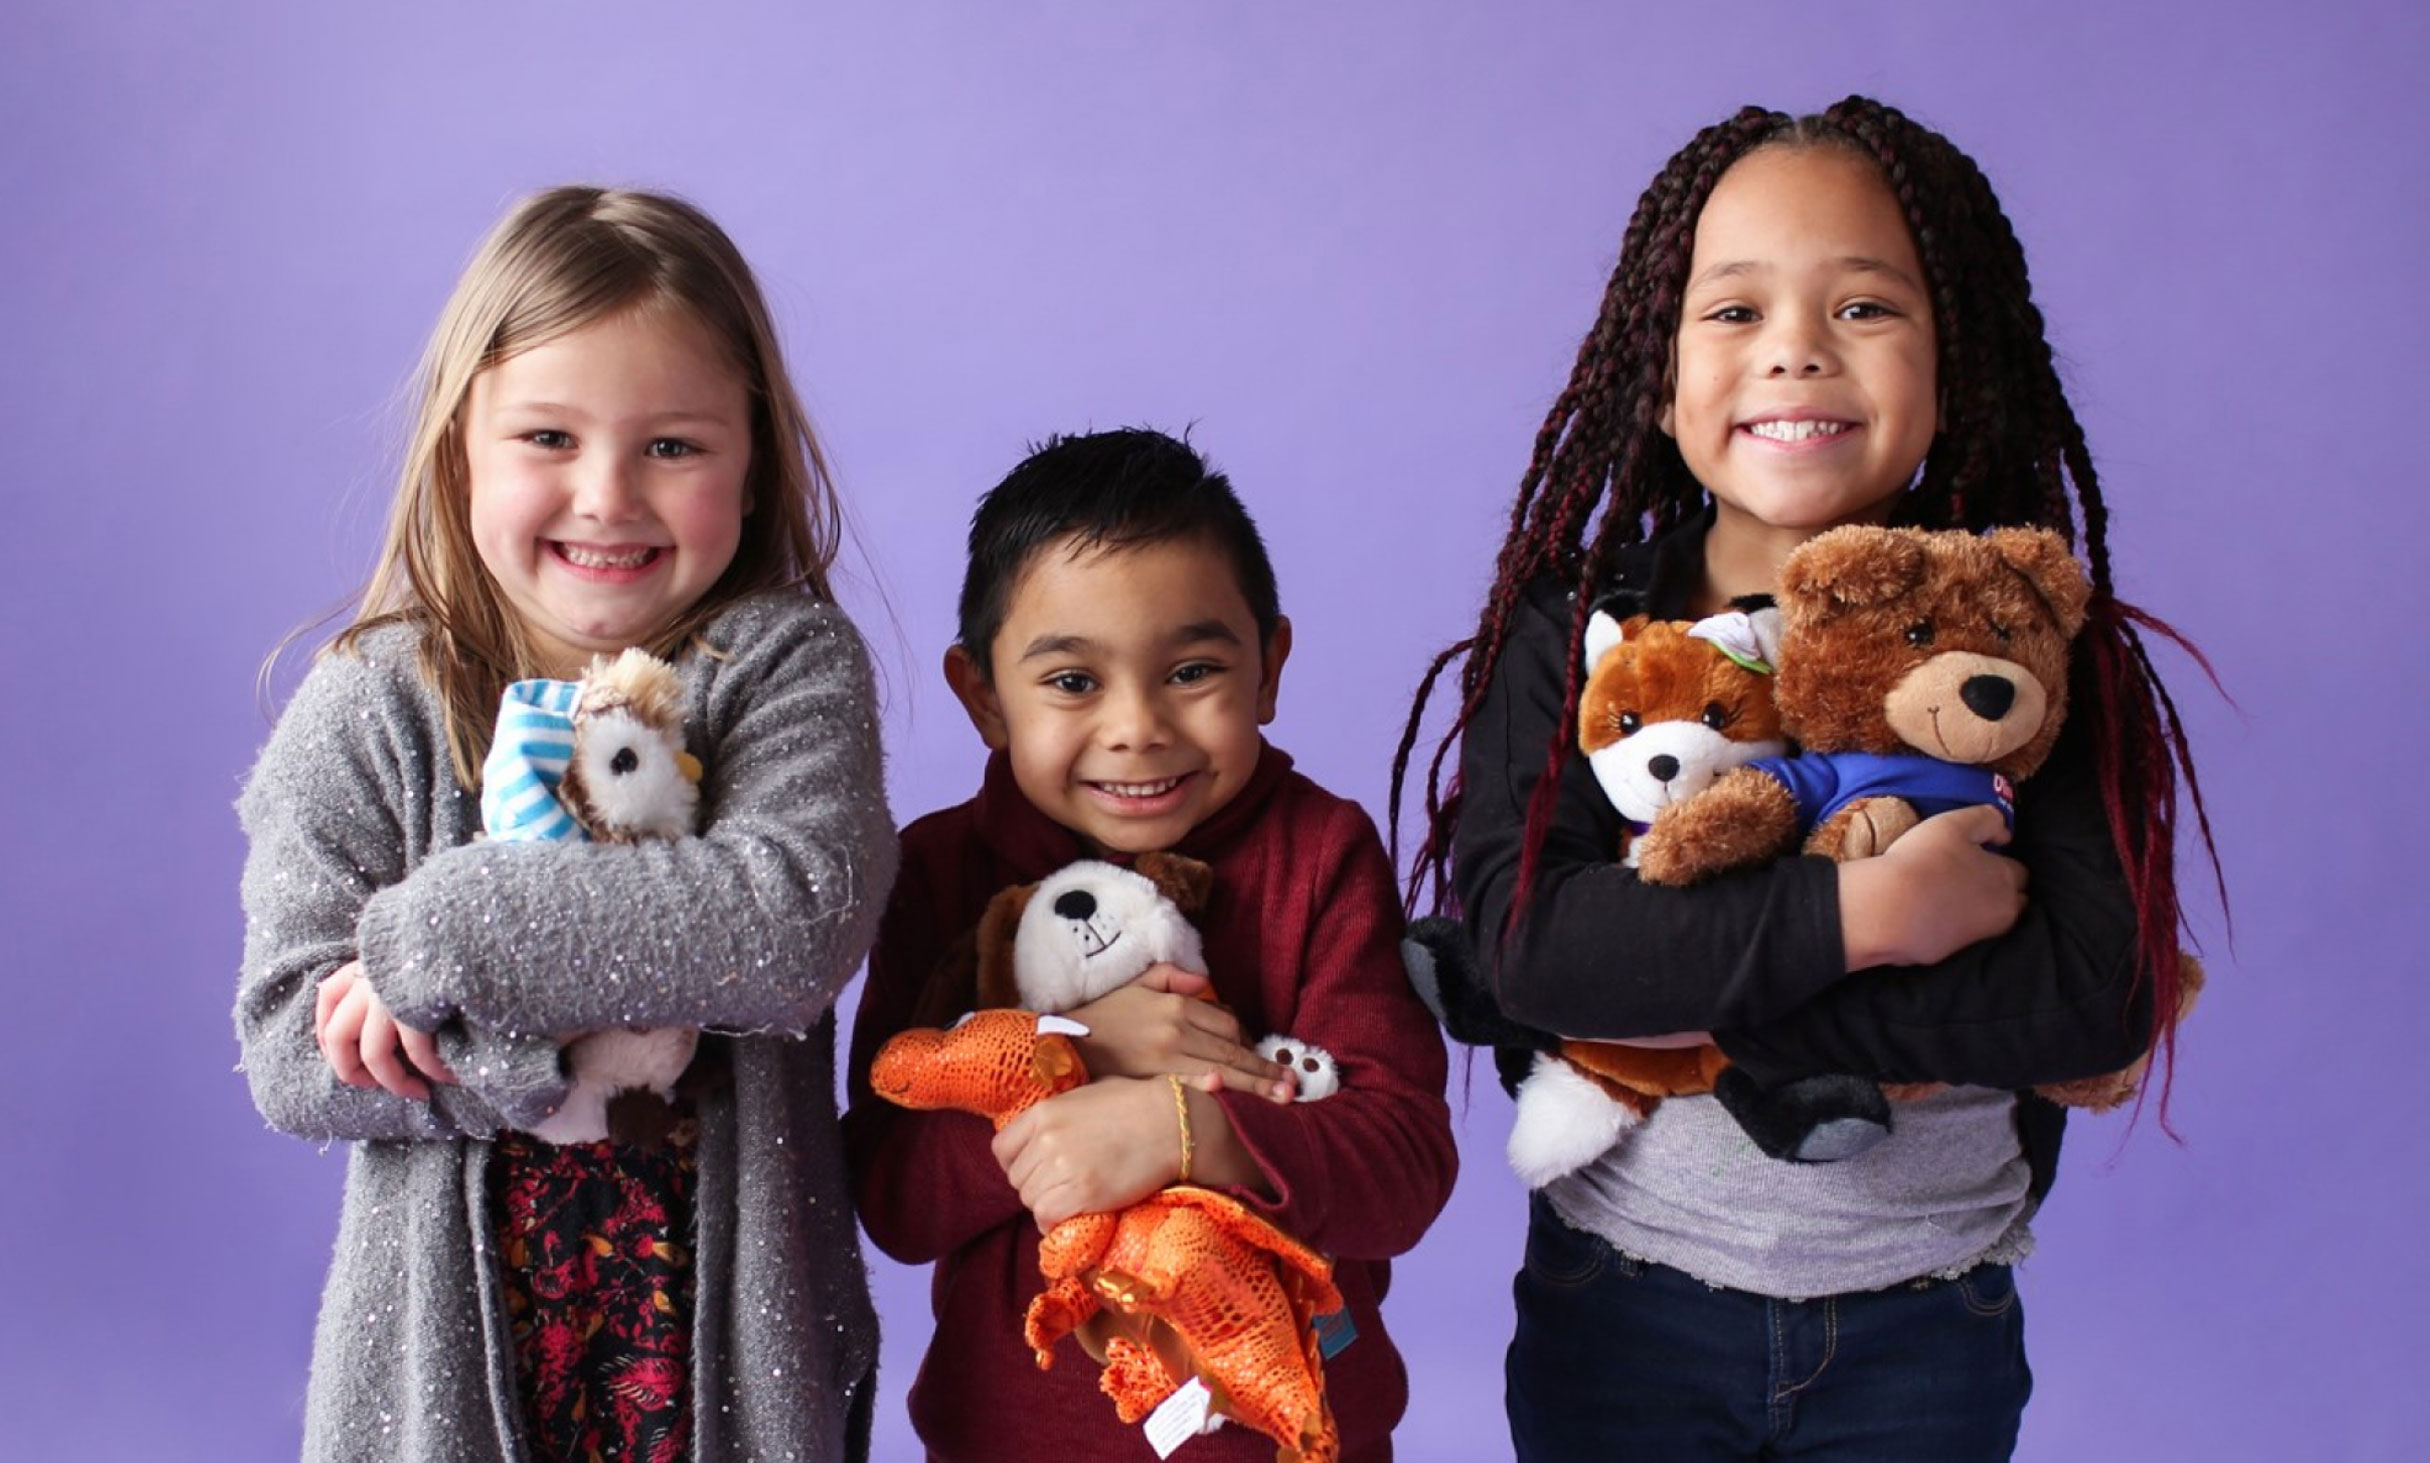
x=1200, y=1285
x=1185, y=1282
x=996, y=1064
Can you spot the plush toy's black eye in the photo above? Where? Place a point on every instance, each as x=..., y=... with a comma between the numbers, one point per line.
x=625, y=760
x=1716, y=716
x=1630, y=723
x=2001, y=631
x=1920, y=633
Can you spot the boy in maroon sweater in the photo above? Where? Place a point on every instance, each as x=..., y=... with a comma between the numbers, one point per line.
x=1120, y=646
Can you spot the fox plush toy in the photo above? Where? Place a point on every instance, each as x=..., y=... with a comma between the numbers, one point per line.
x=1669, y=708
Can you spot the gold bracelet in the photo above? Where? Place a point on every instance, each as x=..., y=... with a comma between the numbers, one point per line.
x=1181, y=1106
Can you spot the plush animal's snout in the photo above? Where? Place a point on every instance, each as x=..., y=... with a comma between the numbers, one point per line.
x=1961, y=706
x=1988, y=697
x=1076, y=904
x=1664, y=767
x=625, y=760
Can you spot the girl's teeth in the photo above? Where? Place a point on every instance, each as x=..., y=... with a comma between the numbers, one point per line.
x=594, y=559
x=1796, y=431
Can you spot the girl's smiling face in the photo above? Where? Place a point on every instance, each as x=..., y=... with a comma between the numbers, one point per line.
x=608, y=472
x=1804, y=391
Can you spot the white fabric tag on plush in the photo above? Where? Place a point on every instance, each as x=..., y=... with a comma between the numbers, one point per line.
x=1179, y=1418
x=1060, y=1026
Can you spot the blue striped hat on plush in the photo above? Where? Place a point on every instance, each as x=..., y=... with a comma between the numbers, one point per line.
x=527, y=759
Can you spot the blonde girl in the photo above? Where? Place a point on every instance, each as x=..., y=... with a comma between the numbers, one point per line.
x=607, y=452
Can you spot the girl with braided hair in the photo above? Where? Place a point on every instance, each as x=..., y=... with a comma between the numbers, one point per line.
x=1814, y=321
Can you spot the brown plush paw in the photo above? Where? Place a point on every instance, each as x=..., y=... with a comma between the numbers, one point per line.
x=1862, y=829
x=1740, y=822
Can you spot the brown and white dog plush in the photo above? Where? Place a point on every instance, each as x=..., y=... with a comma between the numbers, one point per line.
x=629, y=780
x=1091, y=927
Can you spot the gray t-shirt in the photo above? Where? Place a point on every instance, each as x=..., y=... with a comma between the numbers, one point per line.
x=1943, y=1193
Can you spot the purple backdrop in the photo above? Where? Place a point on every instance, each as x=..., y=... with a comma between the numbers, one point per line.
x=1355, y=244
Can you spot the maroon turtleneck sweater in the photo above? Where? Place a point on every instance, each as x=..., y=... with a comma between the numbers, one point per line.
x=1302, y=935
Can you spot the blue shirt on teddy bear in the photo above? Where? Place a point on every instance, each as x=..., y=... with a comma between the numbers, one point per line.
x=1824, y=782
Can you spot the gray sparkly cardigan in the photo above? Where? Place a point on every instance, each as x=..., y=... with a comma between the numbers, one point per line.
x=362, y=844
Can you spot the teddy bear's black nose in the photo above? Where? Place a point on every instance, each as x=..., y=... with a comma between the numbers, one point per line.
x=1664, y=767
x=1076, y=904
x=1988, y=697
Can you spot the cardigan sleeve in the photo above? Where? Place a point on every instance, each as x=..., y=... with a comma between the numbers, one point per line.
x=1597, y=953
x=329, y=814
x=1360, y=1174
x=926, y=1183
x=754, y=925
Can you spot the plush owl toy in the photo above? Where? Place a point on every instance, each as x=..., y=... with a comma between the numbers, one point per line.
x=600, y=758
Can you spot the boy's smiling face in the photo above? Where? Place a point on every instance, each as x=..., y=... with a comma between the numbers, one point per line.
x=1128, y=687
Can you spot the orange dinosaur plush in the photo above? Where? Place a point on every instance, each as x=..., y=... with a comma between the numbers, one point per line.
x=1185, y=1283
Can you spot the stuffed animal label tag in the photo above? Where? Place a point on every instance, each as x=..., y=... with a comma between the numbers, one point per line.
x=1183, y=1416
x=1334, y=1333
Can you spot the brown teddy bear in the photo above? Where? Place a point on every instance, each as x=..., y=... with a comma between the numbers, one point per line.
x=1919, y=672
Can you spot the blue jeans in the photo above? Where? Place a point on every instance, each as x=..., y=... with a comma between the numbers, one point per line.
x=1615, y=1358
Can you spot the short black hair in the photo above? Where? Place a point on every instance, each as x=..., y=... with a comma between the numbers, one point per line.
x=1127, y=488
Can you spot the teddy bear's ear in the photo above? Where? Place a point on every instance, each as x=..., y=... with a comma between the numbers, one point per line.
x=1180, y=878
x=2047, y=563
x=1854, y=567
x=998, y=928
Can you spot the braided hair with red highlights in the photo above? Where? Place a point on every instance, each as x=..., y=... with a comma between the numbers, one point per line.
x=2008, y=452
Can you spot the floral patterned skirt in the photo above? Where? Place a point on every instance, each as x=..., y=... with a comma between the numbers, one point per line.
x=597, y=1246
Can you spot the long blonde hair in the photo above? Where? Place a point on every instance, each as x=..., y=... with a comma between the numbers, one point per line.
x=561, y=260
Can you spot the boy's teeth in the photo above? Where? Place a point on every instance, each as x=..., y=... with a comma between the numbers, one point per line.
x=1140, y=789
x=594, y=559
x=1796, y=431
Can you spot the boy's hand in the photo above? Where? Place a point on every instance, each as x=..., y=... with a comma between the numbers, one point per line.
x=1157, y=1025
x=1094, y=1148
x=1935, y=891
x=365, y=1046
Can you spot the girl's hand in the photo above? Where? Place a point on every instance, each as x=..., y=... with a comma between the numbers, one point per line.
x=1099, y=1147
x=365, y=1046
x=1935, y=891
x=1158, y=1025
